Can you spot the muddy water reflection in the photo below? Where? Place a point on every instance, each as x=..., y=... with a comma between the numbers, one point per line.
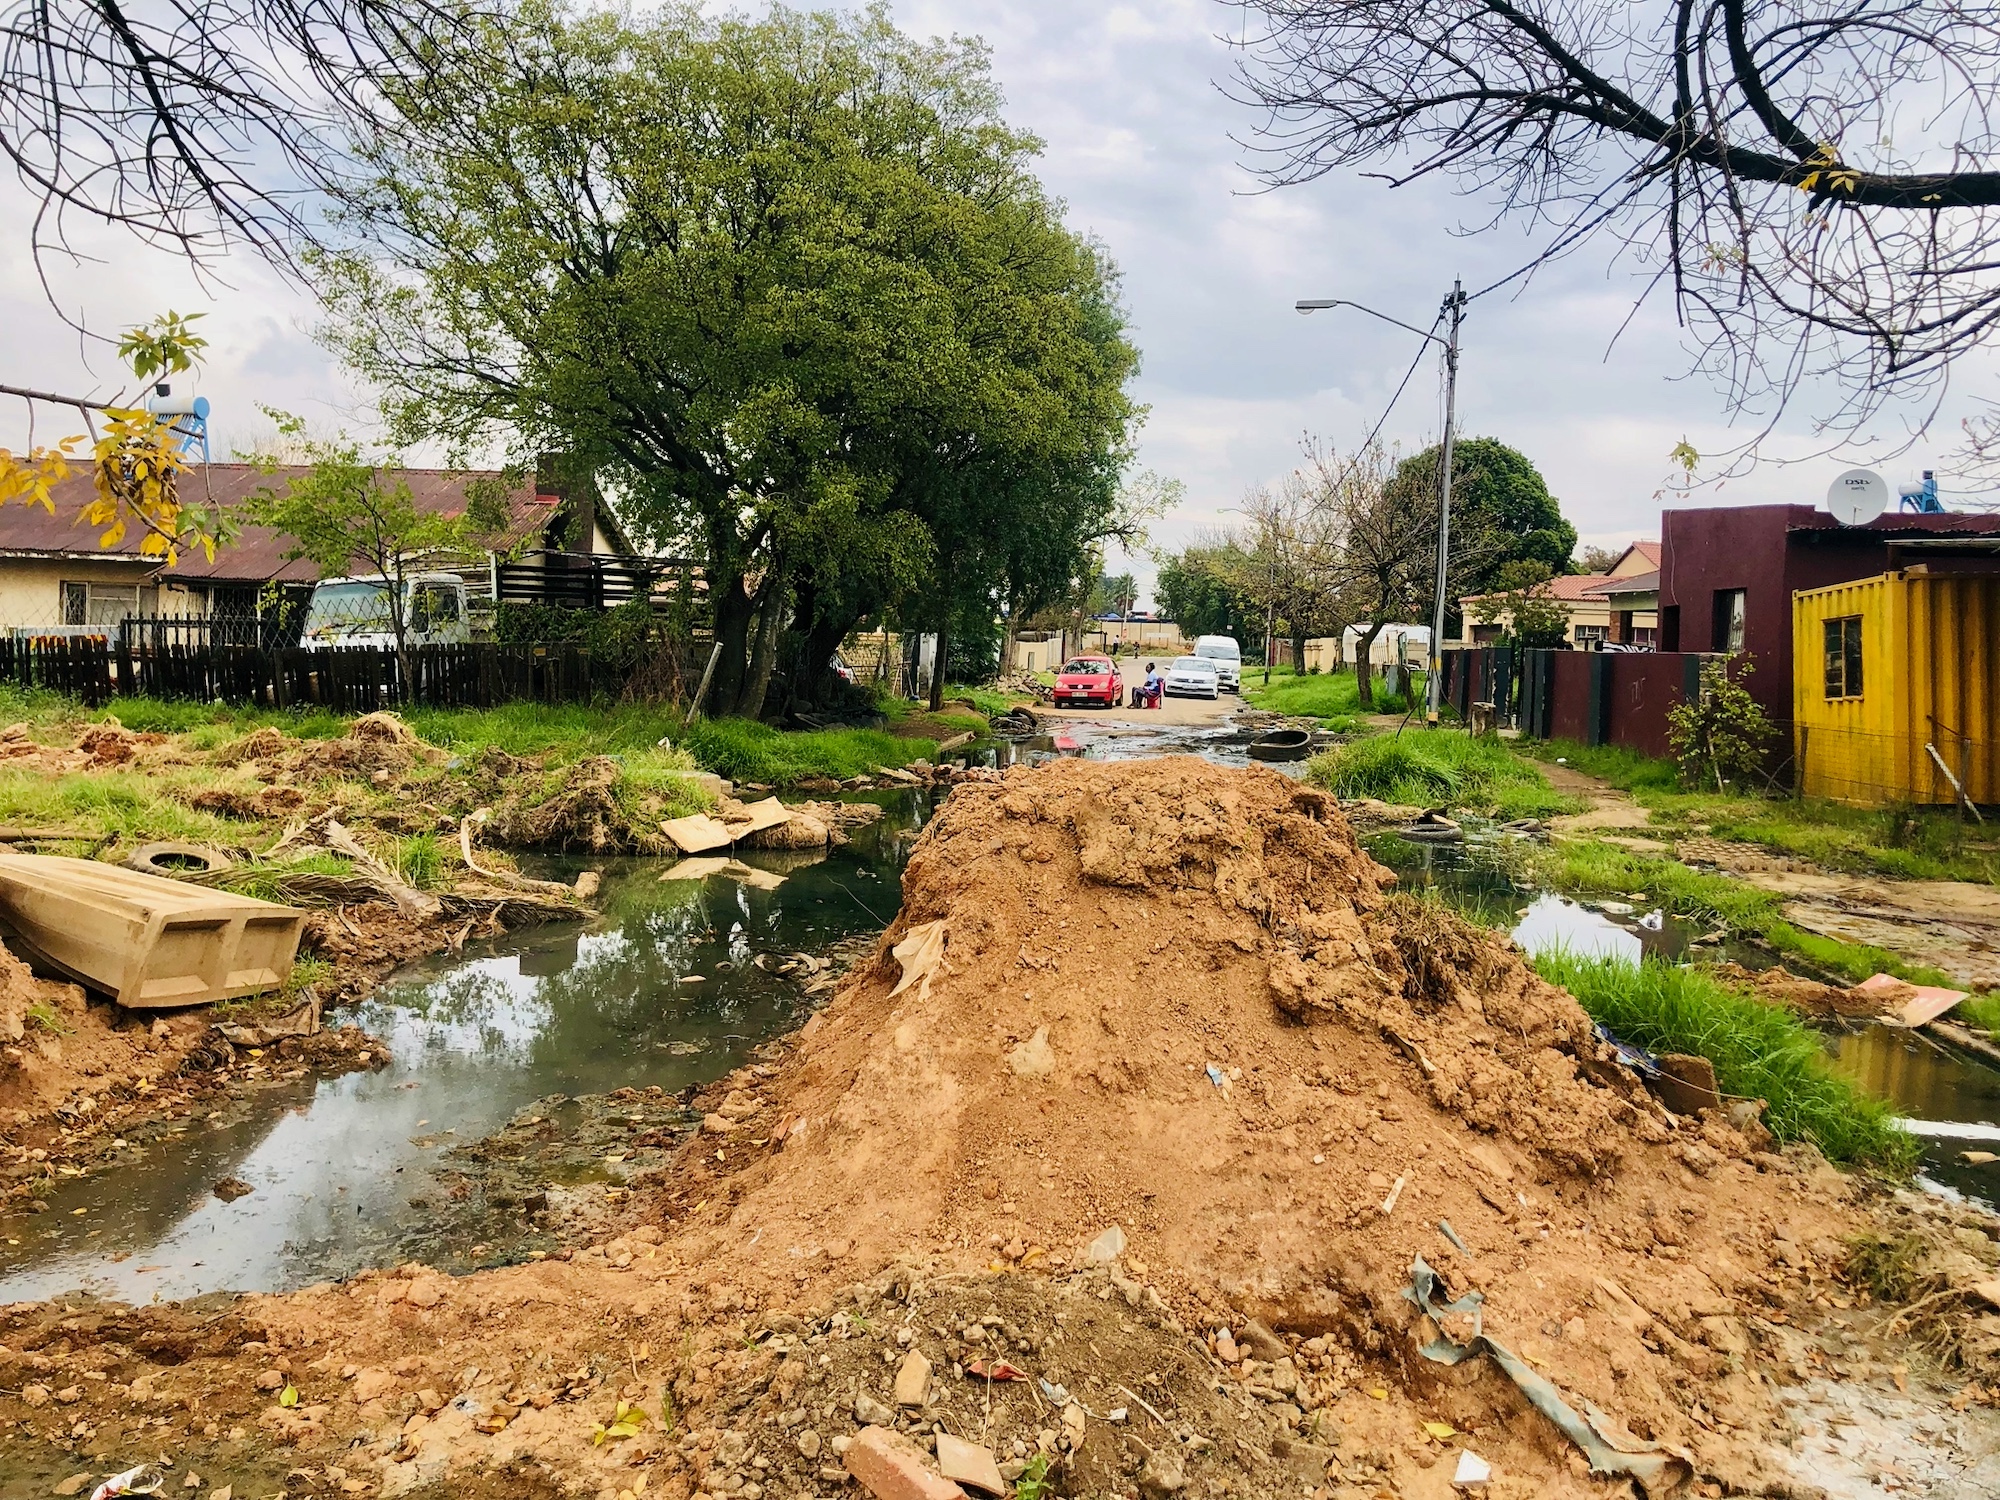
x=1928, y=1081
x=661, y=991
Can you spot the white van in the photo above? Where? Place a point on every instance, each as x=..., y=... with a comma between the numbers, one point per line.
x=355, y=612
x=1228, y=659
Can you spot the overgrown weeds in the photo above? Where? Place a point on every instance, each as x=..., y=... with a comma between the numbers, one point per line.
x=1760, y=1051
x=746, y=751
x=1334, y=698
x=1440, y=768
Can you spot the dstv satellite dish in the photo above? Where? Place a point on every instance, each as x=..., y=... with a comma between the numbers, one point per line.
x=1857, y=497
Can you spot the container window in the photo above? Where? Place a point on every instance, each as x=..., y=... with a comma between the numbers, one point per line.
x=1843, y=657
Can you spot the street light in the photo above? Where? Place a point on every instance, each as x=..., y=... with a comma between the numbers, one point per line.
x=1454, y=310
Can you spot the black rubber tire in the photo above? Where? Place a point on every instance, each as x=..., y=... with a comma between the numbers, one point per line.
x=176, y=861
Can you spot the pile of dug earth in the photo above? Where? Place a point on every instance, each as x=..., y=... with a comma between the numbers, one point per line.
x=1161, y=1150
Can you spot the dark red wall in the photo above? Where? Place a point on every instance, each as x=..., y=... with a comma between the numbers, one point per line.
x=1771, y=552
x=1569, y=697
x=1644, y=688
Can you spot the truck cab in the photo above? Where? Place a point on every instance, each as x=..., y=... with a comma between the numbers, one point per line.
x=355, y=612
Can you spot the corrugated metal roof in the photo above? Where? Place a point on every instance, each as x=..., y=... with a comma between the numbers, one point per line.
x=1638, y=583
x=258, y=555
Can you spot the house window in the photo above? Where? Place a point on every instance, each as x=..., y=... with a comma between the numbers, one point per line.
x=1843, y=657
x=1729, y=615
x=1645, y=635
x=1591, y=635
x=102, y=606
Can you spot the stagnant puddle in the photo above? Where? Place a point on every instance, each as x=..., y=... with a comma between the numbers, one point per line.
x=1924, y=1078
x=526, y=1070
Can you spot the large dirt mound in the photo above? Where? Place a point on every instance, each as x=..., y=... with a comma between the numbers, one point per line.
x=1181, y=1000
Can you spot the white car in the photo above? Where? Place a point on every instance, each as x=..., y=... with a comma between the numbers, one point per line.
x=1193, y=677
x=1228, y=658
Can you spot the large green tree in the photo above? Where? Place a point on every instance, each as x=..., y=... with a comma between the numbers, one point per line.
x=790, y=284
x=1501, y=509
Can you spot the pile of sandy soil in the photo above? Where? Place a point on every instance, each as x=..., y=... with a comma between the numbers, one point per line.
x=1181, y=1001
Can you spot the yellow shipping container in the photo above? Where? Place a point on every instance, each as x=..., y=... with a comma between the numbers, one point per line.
x=1888, y=670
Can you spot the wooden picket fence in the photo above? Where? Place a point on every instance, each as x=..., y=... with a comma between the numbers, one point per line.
x=355, y=679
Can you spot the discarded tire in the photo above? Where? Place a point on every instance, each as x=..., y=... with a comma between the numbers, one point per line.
x=177, y=861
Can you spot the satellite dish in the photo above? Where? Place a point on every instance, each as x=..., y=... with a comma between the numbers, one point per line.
x=1857, y=497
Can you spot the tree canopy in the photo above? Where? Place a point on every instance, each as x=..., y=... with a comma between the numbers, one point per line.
x=790, y=285
x=1501, y=509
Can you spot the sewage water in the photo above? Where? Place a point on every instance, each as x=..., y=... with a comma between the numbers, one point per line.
x=348, y=1172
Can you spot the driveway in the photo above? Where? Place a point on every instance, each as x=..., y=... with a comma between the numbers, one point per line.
x=1172, y=711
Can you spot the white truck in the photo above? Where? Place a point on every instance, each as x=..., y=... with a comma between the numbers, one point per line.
x=355, y=612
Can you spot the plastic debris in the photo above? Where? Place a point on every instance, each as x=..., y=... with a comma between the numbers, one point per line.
x=1636, y=1058
x=1445, y=1229
x=1472, y=1471
x=1056, y=1393
x=995, y=1369
x=1106, y=1248
x=1653, y=1467
x=1216, y=1077
x=1395, y=1192
x=144, y=1480
x=1654, y=920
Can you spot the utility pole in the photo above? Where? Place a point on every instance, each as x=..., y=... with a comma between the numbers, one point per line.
x=1454, y=310
x=1451, y=313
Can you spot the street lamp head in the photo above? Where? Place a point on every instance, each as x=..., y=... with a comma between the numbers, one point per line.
x=1306, y=307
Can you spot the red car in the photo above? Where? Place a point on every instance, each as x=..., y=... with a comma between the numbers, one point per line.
x=1090, y=679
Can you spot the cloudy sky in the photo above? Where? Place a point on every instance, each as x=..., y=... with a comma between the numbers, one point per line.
x=1140, y=145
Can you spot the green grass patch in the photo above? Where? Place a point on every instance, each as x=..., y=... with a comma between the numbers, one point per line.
x=114, y=805
x=1440, y=768
x=1760, y=1051
x=1982, y=1011
x=988, y=701
x=1628, y=770
x=743, y=750
x=1333, y=698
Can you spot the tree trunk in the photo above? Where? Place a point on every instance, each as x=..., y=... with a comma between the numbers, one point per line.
x=937, y=666
x=1299, y=649
x=1364, y=649
x=732, y=634
x=813, y=679
x=764, y=654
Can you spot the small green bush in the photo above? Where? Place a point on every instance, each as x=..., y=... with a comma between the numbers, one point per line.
x=744, y=750
x=1760, y=1051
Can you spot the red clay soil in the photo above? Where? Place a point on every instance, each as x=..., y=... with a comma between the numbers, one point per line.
x=1113, y=932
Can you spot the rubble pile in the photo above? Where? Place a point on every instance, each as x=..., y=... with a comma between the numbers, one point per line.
x=1179, y=1003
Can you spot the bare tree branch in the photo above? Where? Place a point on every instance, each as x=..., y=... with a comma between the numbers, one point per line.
x=1743, y=152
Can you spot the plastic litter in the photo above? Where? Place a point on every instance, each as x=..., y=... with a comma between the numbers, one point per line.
x=1216, y=1077
x=144, y=1480
x=1472, y=1471
x=1636, y=1058
x=1651, y=1466
x=997, y=1369
x=1056, y=1393
x=1654, y=920
x=1445, y=1229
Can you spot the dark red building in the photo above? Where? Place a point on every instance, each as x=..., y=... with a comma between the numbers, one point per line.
x=1727, y=576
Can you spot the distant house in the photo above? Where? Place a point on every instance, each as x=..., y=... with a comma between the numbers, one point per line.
x=1593, y=617
x=54, y=576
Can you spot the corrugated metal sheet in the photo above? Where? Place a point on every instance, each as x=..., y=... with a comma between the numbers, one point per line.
x=258, y=555
x=1930, y=651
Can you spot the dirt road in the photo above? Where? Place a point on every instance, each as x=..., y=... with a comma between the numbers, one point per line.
x=1172, y=711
